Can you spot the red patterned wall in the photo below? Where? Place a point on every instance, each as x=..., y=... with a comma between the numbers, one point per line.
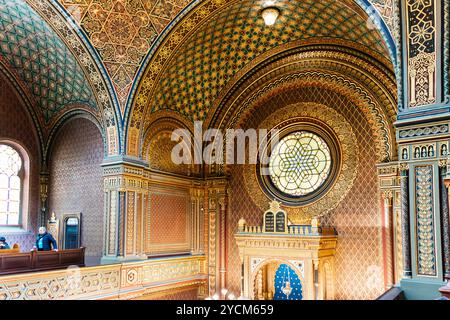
x=76, y=181
x=359, y=269
x=17, y=125
x=168, y=219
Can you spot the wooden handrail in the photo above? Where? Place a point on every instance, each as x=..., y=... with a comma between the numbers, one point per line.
x=40, y=261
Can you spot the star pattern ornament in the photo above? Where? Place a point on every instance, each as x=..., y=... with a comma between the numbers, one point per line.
x=300, y=163
x=123, y=32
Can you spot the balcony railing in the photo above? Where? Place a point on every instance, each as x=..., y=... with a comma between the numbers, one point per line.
x=116, y=281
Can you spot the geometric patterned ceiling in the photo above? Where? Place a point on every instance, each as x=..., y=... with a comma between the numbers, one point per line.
x=41, y=60
x=123, y=32
x=216, y=51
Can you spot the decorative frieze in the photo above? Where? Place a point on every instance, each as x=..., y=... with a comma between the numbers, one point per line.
x=424, y=132
x=432, y=150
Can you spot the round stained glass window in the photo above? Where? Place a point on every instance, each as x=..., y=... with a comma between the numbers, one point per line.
x=300, y=163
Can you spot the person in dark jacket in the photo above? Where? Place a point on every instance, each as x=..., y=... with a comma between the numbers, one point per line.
x=3, y=243
x=45, y=241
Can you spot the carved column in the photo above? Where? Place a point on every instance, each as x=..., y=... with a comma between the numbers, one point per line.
x=389, y=236
x=316, y=279
x=126, y=205
x=223, y=245
x=406, y=242
x=423, y=59
x=445, y=200
x=197, y=196
x=217, y=208
x=259, y=280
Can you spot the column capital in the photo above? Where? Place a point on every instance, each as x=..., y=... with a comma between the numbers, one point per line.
x=316, y=264
x=387, y=194
x=403, y=166
x=443, y=163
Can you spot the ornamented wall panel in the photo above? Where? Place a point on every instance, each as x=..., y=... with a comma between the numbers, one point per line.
x=359, y=259
x=76, y=182
x=422, y=54
x=169, y=221
x=425, y=221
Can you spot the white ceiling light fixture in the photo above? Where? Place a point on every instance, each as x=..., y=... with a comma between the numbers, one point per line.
x=270, y=15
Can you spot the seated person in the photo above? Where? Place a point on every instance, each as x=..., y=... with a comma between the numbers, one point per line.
x=45, y=241
x=3, y=243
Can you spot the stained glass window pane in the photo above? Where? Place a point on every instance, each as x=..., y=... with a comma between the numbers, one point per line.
x=10, y=185
x=4, y=180
x=4, y=194
x=300, y=163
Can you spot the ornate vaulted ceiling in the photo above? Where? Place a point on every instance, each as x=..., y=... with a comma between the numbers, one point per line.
x=38, y=57
x=123, y=32
x=215, y=42
x=223, y=46
x=127, y=59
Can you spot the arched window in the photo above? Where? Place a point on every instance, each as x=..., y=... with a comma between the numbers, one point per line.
x=11, y=181
x=300, y=163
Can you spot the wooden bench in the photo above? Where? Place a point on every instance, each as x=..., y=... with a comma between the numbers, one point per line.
x=40, y=261
x=15, y=249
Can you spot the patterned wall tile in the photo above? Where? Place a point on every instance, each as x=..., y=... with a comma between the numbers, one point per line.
x=76, y=181
x=168, y=219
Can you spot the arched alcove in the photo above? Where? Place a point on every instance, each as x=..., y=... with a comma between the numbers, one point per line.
x=76, y=180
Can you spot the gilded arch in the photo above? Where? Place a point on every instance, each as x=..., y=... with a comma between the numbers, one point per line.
x=158, y=145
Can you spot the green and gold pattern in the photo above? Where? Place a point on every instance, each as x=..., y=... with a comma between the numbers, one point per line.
x=41, y=59
x=230, y=40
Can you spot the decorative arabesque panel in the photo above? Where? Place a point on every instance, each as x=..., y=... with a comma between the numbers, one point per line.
x=426, y=256
x=421, y=52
